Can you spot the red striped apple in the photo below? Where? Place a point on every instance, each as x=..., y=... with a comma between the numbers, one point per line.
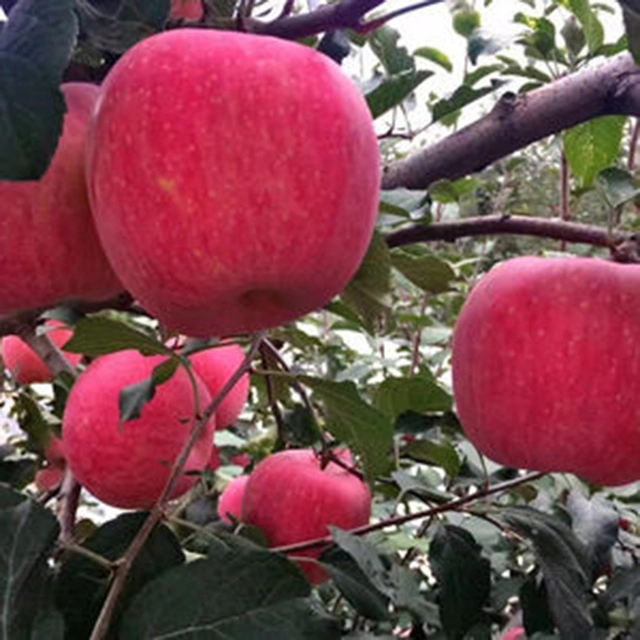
x=291, y=499
x=215, y=366
x=127, y=465
x=49, y=251
x=23, y=363
x=546, y=367
x=234, y=179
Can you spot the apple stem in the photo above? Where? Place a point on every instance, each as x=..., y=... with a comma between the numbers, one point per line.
x=265, y=354
x=452, y=505
x=123, y=566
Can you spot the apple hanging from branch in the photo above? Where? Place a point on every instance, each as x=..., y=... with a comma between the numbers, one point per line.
x=256, y=183
x=546, y=367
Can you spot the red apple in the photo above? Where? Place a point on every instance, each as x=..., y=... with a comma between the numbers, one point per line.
x=290, y=498
x=49, y=251
x=516, y=633
x=215, y=367
x=214, y=459
x=23, y=363
x=51, y=475
x=188, y=9
x=230, y=501
x=256, y=179
x=546, y=367
x=127, y=465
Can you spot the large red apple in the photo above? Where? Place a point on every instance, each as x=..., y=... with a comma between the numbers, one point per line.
x=127, y=465
x=234, y=179
x=215, y=367
x=49, y=251
x=23, y=363
x=290, y=498
x=546, y=367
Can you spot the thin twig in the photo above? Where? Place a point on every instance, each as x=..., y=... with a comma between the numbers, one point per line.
x=123, y=567
x=427, y=513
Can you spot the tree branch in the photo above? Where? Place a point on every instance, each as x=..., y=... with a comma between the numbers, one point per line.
x=553, y=228
x=612, y=87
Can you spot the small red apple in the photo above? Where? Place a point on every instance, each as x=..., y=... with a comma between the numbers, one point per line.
x=215, y=366
x=291, y=498
x=49, y=251
x=255, y=207
x=23, y=363
x=188, y=9
x=516, y=633
x=127, y=465
x=50, y=476
x=546, y=367
x=230, y=501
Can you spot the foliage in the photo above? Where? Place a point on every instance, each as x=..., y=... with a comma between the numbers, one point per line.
x=459, y=546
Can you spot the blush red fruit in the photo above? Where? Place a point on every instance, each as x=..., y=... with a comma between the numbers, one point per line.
x=126, y=465
x=291, y=499
x=256, y=183
x=546, y=367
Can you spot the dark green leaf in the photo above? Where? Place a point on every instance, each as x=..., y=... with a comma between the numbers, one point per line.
x=481, y=72
x=392, y=91
x=394, y=58
x=367, y=292
x=367, y=431
x=592, y=27
x=482, y=43
x=564, y=563
x=593, y=146
x=354, y=585
x=28, y=533
x=462, y=96
x=233, y=594
x=82, y=583
x=421, y=394
x=449, y=191
x=464, y=577
x=436, y=56
x=429, y=273
x=618, y=186
x=403, y=202
x=632, y=28
x=35, y=45
x=98, y=336
x=442, y=454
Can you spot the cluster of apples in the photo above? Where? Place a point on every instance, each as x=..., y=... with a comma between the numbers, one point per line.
x=546, y=367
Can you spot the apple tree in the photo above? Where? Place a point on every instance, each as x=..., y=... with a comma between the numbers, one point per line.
x=312, y=333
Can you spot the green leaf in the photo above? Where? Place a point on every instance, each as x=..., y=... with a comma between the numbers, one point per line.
x=449, y=191
x=98, y=336
x=436, y=56
x=632, y=29
x=593, y=146
x=618, y=186
x=28, y=533
x=441, y=454
x=393, y=90
x=481, y=43
x=403, y=202
x=239, y=593
x=367, y=431
x=35, y=46
x=464, y=577
x=462, y=96
x=127, y=22
x=564, y=564
x=132, y=398
x=82, y=583
x=421, y=394
x=431, y=274
x=368, y=291
x=587, y=17
x=481, y=72
x=465, y=22
x=394, y=59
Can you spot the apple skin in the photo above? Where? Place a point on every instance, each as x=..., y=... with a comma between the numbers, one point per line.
x=215, y=367
x=230, y=501
x=546, y=367
x=187, y=9
x=23, y=363
x=291, y=499
x=253, y=210
x=49, y=250
x=127, y=465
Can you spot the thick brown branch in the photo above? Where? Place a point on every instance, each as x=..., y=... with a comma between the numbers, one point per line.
x=612, y=87
x=552, y=228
